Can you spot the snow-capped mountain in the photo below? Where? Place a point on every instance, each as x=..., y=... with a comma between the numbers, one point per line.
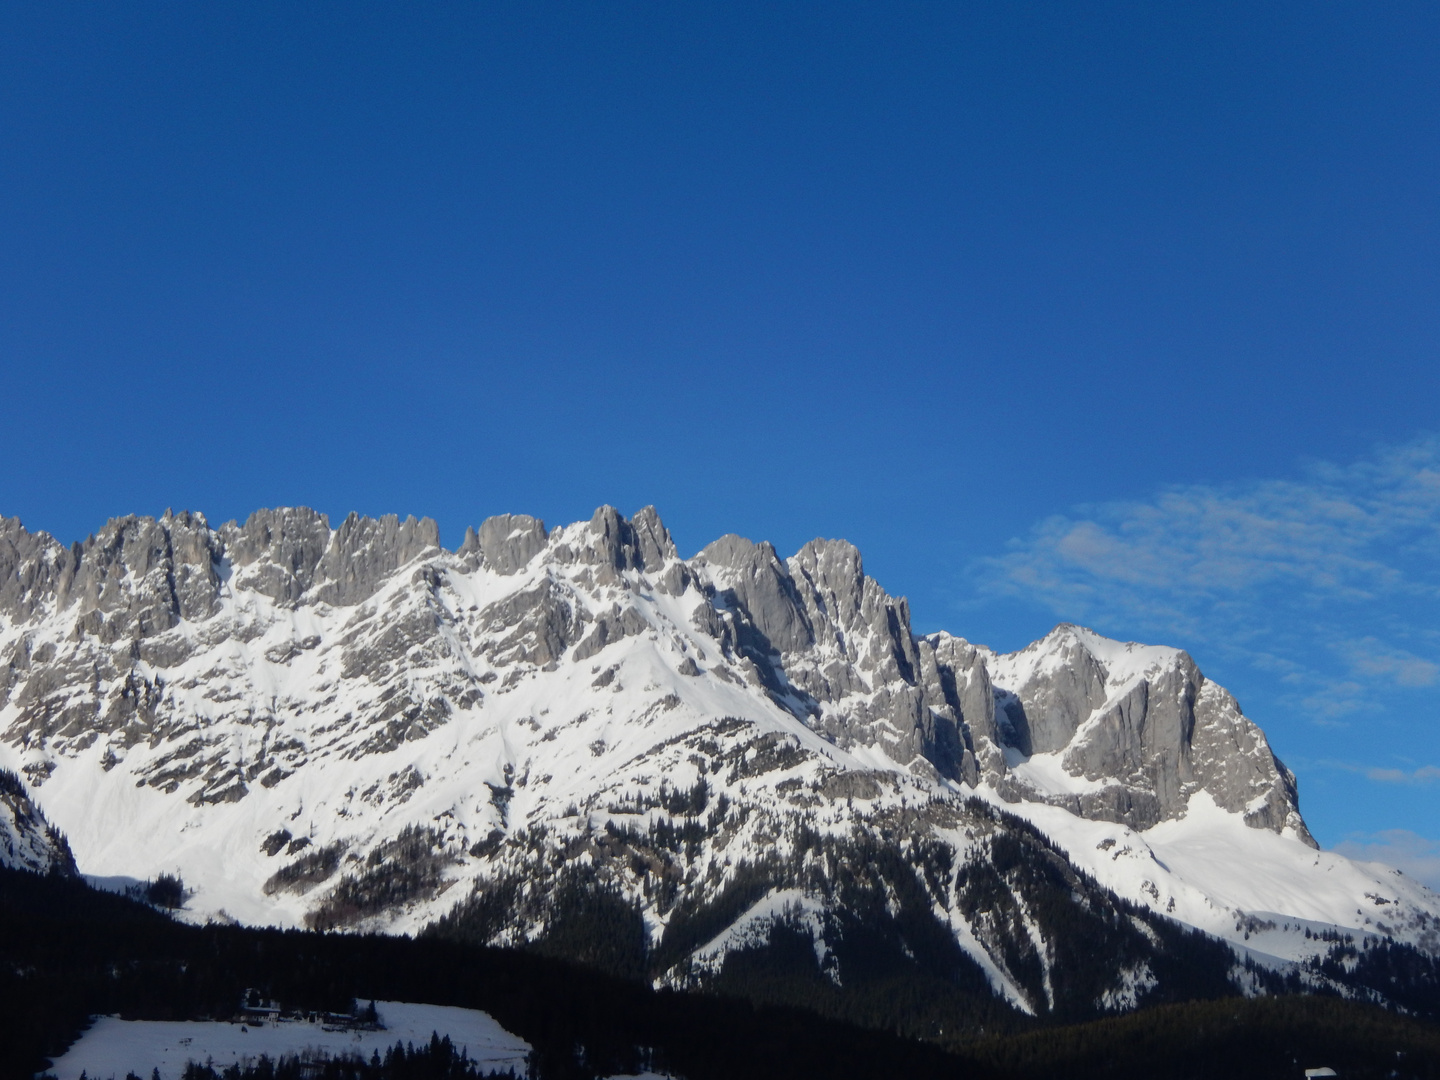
x=353, y=727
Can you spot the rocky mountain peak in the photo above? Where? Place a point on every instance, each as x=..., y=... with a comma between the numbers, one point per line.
x=277, y=552
x=364, y=551
x=1142, y=721
x=613, y=544
x=507, y=542
x=653, y=540
x=751, y=577
x=835, y=573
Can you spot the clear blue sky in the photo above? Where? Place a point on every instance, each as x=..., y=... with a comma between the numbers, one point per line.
x=1122, y=313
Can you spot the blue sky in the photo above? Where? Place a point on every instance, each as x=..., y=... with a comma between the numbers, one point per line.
x=1118, y=313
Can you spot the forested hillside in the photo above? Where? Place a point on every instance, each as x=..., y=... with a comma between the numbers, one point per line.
x=72, y=952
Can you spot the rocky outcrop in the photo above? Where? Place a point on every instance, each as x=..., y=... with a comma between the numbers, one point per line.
x=1144, y=723
x=506, y=542
x=275, y=553
x=364, y=552
x=751, y=580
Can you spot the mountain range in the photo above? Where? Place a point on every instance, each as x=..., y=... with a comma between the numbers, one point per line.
x=732, y=771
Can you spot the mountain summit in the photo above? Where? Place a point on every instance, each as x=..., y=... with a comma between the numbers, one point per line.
x=577, y=739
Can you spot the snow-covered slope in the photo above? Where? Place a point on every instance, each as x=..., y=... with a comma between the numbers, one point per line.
x=352, y=727
x=27, y=840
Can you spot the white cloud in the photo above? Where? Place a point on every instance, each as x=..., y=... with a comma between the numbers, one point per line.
x=1332, y=699
x=1406, y=851
x=1425, y=774
x=1321, y=564
x=1218, y=541
x=1368, y=656
x=1417, y=775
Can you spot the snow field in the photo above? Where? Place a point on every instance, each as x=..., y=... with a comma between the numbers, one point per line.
x=112, y=1047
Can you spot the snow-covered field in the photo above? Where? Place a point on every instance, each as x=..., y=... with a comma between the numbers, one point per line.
x=111, y=1047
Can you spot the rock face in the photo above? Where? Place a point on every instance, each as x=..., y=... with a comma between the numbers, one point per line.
x=1142, y=723
x=339, y=725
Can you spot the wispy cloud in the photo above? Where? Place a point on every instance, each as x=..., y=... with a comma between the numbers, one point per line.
x=1329, y=700
x=1425, y=774
x=1327, y=562
x=1369, y=656
x=1199, y=542
x=1408, y=852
